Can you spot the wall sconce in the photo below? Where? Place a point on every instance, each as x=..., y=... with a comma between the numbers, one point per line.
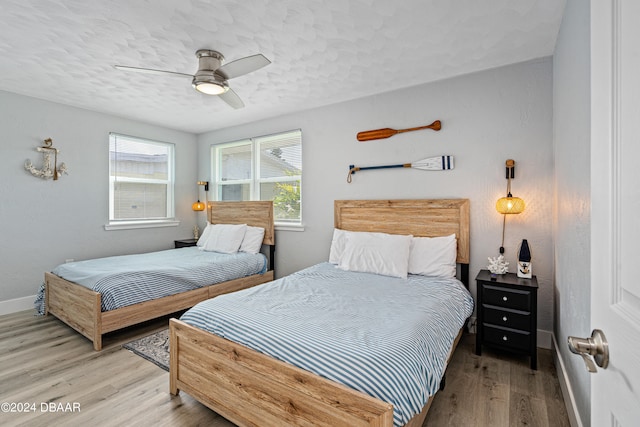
x=199, y=206
x=509, y=205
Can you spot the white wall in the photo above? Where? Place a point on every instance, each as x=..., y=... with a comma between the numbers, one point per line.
x=572, y=130
x=487, y=117
x=43, y=223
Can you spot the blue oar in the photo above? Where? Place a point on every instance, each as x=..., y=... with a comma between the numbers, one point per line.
x=438, y=163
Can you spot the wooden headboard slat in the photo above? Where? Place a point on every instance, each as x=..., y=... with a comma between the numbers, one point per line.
x=255, y=214
x=420, y=217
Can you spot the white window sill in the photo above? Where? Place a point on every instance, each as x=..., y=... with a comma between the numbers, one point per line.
x=289, y=227
x=129, y=225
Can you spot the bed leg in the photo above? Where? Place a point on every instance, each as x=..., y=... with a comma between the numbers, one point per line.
x=46, y=297
x=172, y=387
x=272, y=259
x=97, y=323
x=173, y=359
x=464, y=274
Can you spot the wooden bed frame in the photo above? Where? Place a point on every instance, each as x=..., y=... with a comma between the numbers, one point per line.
x=252, y=389
x=80, y=307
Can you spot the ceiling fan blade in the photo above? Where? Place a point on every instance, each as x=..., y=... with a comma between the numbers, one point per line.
x=151, y=71
x=232, y=98
x=243, y=66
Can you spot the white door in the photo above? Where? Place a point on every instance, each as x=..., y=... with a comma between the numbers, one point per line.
x=615, y=208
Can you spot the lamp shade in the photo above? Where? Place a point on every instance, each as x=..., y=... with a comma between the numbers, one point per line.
x=510, y=205
x=198, y=206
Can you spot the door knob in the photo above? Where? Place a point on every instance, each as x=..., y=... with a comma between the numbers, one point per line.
x=596, y=346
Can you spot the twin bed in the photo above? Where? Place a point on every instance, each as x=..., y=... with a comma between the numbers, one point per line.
x=333, y=344
x=83, y=298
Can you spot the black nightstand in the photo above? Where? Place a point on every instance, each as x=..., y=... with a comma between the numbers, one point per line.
x=507, y=314
x=185, y=243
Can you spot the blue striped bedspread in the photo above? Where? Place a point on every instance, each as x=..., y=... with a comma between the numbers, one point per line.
x=130, y=279
x=387, y=337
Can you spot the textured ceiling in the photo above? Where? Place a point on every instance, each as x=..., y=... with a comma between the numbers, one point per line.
x=322, y=52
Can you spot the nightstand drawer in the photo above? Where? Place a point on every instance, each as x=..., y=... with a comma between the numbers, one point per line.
x=506, y=337
x=507, y=313
x=509, y=319
x=509, y=298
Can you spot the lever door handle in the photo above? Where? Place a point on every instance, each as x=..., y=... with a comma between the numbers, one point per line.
x=595, y=346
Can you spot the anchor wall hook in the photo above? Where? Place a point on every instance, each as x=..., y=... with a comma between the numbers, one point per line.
x=47, y=171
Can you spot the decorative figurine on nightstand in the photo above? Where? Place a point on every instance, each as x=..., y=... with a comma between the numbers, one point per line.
x=524, y=260
x=497, y=265
x=196, y=232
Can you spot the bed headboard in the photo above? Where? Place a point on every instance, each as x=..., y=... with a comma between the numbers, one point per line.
x=255, y=214
x=420, y=217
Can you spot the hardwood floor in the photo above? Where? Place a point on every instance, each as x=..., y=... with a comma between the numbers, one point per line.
x=42, y=361
x=498, y=390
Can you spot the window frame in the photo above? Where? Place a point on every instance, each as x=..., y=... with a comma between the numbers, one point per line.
x=255, y=181
x=170, y=219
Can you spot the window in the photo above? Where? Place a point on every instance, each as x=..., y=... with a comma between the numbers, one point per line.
x=140, y=181
x=262, y=168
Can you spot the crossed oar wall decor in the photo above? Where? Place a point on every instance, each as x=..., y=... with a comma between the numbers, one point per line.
x=438, y=163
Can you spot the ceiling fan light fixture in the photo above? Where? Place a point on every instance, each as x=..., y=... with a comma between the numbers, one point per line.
x=210, y=88
x=211, y=76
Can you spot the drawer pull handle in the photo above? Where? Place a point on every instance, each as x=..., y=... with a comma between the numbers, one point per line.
x=504, y=298
x=504, y=338
x=504, y=318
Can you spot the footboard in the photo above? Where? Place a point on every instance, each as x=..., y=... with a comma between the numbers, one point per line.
x=76, y=306
x=80, y=307
x=251, y=389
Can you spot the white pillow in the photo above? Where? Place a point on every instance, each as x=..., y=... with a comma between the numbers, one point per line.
x=379, y=253
x=225, y=238
x=433, y=256
x=337, y=245
x=252, y=241
x=205, y=235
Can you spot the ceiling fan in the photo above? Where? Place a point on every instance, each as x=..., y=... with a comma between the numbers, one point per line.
x=211, y=77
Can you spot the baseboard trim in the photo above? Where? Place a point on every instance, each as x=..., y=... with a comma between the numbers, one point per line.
x=565, y=386
x=15, y=305
x=544, y=339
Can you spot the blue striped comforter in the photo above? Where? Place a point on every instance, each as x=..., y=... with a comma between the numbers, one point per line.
x=130, y=279
x=387, y=337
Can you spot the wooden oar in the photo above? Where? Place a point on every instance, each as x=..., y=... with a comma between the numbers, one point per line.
x=370, y=135
x=438, y=163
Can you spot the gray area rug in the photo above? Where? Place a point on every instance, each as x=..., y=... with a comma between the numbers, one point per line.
x=154, y=348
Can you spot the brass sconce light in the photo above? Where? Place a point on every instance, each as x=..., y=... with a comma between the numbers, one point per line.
x=509, y=205
x=199, y=206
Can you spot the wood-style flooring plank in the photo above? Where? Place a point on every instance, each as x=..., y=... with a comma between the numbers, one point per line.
x=53, y=363
x=42, y=360
x=526, y=410
x=498, y=389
